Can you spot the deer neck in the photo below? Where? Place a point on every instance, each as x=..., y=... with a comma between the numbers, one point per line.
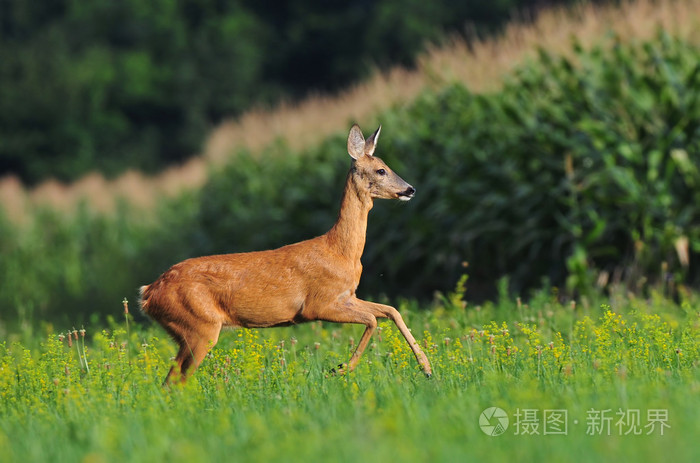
x=348, y=234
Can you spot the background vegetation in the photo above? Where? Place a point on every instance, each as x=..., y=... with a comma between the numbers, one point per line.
x=579, y=172
x=111, y=85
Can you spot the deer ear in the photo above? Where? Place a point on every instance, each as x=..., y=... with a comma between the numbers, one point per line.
x=371, y=142
x=356, y=143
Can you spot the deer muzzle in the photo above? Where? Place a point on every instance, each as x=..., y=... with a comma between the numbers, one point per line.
x=407, y=194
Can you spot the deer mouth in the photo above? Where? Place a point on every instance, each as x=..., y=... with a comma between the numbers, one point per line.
x=407, y=194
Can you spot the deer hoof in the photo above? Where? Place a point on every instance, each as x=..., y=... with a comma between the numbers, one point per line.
x=341, y=369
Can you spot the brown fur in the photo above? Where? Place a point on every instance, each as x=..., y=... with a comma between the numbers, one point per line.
x=314, y=279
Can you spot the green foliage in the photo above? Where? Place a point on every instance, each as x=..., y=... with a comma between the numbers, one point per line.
x=267, y=395
x=111, y=85
x=628, y=123
x=279, y=197
x=84, y=262
x=579, y=171
x=576, y=167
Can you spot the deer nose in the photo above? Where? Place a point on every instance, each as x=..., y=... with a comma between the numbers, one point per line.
x=406, y=194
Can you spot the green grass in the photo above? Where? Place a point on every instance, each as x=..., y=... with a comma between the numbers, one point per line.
x=267, y=395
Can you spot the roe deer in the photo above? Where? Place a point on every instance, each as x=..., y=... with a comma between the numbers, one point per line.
x=315, y=279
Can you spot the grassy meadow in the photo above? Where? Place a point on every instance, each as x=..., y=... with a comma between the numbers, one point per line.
x=563, y=151
x=578, y=382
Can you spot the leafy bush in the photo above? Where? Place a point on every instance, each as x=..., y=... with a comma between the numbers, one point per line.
x=580, y=169
x=578, y=166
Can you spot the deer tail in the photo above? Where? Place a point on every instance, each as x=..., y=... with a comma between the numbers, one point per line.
x=144, y=296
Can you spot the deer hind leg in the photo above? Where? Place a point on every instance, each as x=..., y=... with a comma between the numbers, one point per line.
x=194, y=343
x=364, y=341
x=386, y=311
x=348, y=313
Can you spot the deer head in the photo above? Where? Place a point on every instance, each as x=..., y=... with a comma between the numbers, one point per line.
x=371, y=173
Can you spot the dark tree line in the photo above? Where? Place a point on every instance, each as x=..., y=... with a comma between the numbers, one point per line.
x=110, y=84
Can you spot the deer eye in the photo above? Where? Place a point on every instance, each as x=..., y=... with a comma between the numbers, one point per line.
x=381, y=172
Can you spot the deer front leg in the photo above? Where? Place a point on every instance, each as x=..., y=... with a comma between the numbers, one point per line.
x=386, y=311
